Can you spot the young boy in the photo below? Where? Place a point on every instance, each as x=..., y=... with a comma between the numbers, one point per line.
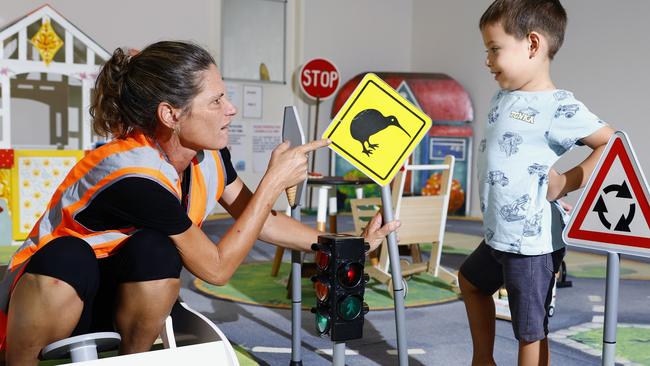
x=530, y=125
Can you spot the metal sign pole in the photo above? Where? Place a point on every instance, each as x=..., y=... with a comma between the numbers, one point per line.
x=313, y=155
x=296, y=299
x=338, y=355
x=611, y=308
x=396, y=272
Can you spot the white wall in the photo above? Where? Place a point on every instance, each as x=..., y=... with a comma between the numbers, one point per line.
x=604, y=61
x=118, y=23
x=357, y=36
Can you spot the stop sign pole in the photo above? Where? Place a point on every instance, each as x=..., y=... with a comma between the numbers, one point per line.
x=319, y=79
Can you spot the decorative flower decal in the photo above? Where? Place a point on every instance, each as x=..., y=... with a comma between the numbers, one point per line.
x=47, y=42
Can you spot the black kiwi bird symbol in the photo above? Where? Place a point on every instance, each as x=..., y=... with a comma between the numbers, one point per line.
x=367, y=123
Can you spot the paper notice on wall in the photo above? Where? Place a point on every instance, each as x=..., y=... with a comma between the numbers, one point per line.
x=265, y=138
x=252, y=101
x=239, y=145
x=234, y=95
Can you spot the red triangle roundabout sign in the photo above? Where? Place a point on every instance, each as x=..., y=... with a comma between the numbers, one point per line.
x=613, y=212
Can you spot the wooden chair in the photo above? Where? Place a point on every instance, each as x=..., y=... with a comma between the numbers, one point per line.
x=423, y=220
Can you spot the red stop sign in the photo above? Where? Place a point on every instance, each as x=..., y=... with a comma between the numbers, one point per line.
x=319, y=78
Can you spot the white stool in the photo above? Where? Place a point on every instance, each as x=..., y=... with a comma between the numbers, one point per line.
x=82, y=347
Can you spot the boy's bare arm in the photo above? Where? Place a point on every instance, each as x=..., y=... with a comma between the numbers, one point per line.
x=561, y=184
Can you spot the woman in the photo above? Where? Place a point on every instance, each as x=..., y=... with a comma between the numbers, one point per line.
x=107, y=253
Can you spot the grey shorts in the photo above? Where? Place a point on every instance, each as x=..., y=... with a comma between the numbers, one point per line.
x=528, y=279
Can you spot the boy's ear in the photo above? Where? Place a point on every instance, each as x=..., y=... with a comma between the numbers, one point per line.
x=534, y=44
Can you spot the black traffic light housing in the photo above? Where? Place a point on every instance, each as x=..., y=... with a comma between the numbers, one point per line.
x=340, y=285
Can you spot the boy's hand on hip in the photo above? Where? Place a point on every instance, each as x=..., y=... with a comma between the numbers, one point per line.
x=556, y=184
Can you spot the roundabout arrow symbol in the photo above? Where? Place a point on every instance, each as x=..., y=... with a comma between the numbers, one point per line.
x=624, y=222
x=601, y=209
x=622, y=191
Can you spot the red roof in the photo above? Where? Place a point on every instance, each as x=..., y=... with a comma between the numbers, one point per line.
x=442, y=98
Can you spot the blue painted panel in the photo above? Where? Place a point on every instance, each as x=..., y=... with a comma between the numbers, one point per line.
x=5, y=223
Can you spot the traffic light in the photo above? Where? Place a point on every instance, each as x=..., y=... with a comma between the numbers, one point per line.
x=340, y=284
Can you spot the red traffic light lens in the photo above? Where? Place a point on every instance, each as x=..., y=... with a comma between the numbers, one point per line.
x=350, y=274
x=322, y=290
x=322, y=260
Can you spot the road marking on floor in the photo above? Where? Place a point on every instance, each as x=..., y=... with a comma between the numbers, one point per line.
x=598, y=308
x=411, y=351
x=261, y=349
x=598, y=319
x=595, y=298
x=330, y=352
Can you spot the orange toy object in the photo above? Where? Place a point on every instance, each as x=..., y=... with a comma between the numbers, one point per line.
x=457, y=196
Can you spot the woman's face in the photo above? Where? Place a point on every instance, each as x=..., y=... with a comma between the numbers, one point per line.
x=206, y=126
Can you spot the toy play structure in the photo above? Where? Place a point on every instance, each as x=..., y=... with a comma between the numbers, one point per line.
x=448, y=105
x=47, y=70
x=423, y=221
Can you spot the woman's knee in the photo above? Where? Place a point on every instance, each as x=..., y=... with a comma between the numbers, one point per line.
x=68, y=259
x=149, y=255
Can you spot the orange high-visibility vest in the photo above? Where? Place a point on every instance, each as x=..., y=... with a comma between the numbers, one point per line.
x=134, y=156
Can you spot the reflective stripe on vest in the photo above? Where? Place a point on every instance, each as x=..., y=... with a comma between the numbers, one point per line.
x=135, y=156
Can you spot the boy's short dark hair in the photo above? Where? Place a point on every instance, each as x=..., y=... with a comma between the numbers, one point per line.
x=520, y=17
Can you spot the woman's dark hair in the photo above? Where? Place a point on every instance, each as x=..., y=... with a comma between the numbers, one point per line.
x=520, y=17
x=129, y=89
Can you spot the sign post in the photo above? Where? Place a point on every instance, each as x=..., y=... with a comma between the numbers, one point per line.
x=319, y=79
x=292, y=131
x=376, y=130
x=613, y=215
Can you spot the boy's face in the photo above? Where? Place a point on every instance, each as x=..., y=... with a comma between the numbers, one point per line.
x=508, y=58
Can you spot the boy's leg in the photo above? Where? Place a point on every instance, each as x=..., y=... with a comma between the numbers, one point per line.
x=479, y=277
x=481, y=317
x=529, y=281
x=534, y=353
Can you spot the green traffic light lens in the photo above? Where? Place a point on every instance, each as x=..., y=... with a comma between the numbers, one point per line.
x=350, y=274
x=322, y=291
x=350, y=307
x=322, y=260
x=322, y=324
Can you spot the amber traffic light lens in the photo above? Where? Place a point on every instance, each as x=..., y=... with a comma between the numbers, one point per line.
x=322, y=291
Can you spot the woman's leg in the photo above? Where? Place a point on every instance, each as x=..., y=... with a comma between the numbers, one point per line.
x=148, y=271
x=47, y=303
x=31, y=324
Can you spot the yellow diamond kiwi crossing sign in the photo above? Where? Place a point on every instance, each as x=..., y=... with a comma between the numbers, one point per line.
x=377, y=129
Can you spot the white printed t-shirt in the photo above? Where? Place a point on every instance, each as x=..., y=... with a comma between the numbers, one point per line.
x=526, y=133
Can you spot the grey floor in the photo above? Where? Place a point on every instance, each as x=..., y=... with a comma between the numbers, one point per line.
x=436, y=335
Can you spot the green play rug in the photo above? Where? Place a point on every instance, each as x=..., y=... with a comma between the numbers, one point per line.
x=253, y=284
x=632, y=343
